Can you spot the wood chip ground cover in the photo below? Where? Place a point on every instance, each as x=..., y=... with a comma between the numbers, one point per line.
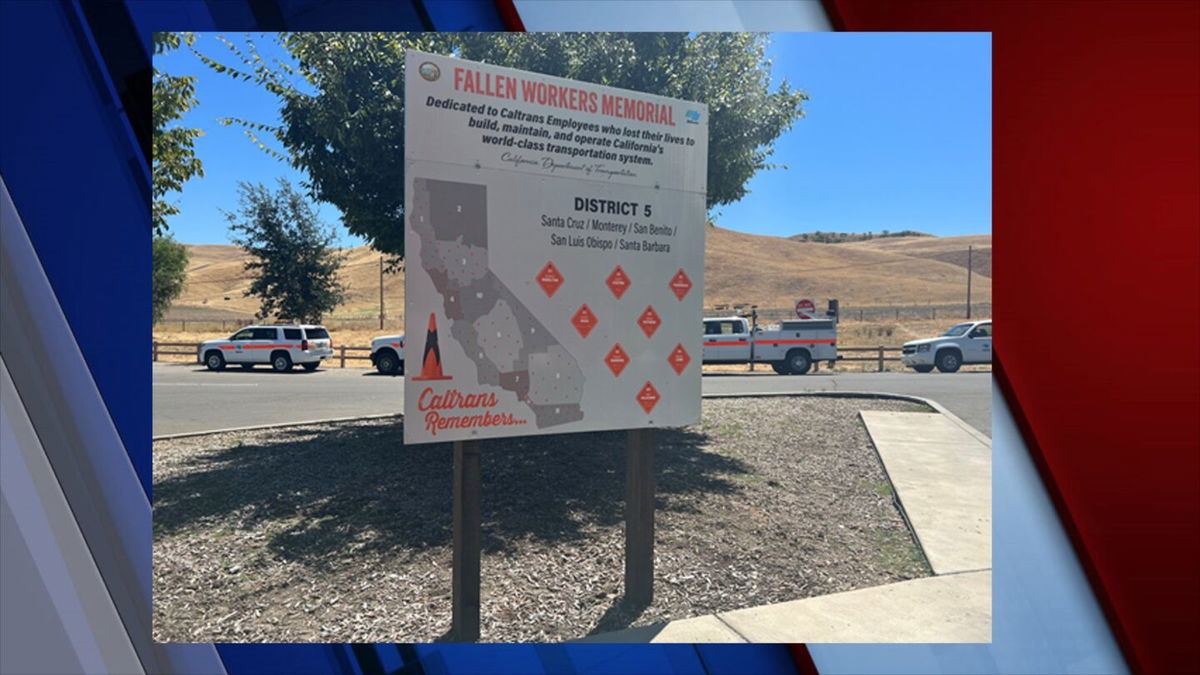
x=337, y=532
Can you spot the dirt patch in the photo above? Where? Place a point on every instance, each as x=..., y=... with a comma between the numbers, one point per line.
x=338, y=532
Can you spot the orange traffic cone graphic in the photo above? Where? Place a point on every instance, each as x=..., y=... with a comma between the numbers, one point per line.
x=431, y=362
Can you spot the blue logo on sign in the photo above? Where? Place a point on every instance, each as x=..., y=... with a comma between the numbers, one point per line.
x=693, y=116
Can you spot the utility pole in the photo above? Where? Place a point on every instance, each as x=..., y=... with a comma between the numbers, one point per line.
x=381, y=291
x=969, y=282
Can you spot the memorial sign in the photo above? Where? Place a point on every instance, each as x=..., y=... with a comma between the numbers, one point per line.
x=555, y=254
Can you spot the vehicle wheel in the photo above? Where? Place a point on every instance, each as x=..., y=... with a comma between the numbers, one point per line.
x=386, y=362
x=779, y=367
x=214, y=361
x=310, y=366
x=923, y=369
x=949, y=360
x=247, y=366
x=798, y=362
x=281, y=362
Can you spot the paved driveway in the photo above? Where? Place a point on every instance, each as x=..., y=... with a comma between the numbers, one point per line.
x=188, y=398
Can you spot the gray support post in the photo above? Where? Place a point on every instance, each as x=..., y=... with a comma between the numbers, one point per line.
x=639, y=518
x=467, y=541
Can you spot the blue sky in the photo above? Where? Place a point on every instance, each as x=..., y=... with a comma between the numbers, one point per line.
x=897, y=135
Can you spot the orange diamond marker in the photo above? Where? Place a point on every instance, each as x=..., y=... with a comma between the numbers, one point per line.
x=680, y=284
x=617, y=359
x=618, y=282
x=648, y=397
x=584, y=320
x=679, y=359
x=550, y=279
x=649, y=321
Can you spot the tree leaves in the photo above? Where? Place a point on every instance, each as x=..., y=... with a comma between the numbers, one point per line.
x=345, y=129
x=175, y=160
x=169, y=263
x=294, y=265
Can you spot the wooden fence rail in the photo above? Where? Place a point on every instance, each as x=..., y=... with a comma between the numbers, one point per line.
x=340, y=351
x=877, y=353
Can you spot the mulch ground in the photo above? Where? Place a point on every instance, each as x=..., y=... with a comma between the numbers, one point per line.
x=339, y=533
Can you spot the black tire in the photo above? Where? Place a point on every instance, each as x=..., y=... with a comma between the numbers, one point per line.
x=798, y=362
x=213, y=360
x=310, y=366
x=923, y=369
x=388, y=363
x=949, y=360
x=779, y=367
x=247, y=366
x=281, y=362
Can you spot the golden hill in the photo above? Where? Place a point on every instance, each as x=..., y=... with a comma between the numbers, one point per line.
x=767, y=271
x=946, y=249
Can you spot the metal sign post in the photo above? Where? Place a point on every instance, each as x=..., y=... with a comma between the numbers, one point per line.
x=467, y=542
x=639, y=518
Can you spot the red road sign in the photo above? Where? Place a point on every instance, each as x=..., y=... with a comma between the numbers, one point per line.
x=549, y=279
x=805, y=309
x=681, y=284
x=618, y=282
x=617, y=359
x=584, y=320
x=649, y=321
x=648, y=397
x=679, y=359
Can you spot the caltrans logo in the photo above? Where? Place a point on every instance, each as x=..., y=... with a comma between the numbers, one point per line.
x=429, y=71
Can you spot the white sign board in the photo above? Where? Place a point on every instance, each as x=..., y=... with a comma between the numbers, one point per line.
x=554, y=254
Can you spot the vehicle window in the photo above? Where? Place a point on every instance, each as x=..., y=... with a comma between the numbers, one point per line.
x=265, y=334
x=960, y=329
x=731, y=327
x=292, y=334
x=711, y=328
x=246, y=334
x=316, y=333
x=982, y=330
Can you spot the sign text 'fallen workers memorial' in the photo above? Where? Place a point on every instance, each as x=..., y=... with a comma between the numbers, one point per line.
x=555, y=254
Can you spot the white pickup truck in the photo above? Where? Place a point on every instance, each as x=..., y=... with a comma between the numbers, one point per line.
x=789, y=348
x=282, y=346
x=965, y=344
x=387, y=353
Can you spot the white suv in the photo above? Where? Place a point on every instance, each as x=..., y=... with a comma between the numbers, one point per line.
x=965, y=344
x=282, y=346
x=387, y=353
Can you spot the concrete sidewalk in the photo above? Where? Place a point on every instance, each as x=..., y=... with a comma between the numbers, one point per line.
x=952, y=608
x=942, y=475
x=941, y=470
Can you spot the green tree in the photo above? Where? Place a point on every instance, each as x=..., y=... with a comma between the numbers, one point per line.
x=175, y=160
x=293, y=262
x=170, y=260
x=343, y=121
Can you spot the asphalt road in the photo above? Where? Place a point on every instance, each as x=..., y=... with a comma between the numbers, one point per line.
x=188, y=398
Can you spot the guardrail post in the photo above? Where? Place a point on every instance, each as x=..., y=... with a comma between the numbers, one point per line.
x=881, y=358
x=343, y=348
x=155, y=343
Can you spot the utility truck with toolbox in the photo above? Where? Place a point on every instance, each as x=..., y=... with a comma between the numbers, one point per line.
x=387, y=354
x=790, y=347
x=281, y=345
x=965, y=344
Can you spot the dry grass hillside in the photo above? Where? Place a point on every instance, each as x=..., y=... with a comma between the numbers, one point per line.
x=951, y=250
x=739, y=267
x=217, y=282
